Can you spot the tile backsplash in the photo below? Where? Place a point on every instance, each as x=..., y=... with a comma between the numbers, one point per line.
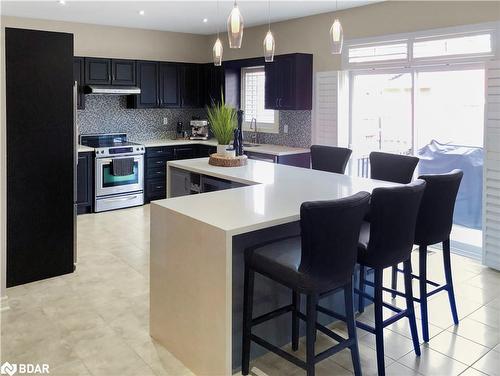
x=109, y=114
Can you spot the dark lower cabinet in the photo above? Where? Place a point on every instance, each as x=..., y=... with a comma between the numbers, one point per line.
x=156, y=166
x=85, y=182
x=297, y=160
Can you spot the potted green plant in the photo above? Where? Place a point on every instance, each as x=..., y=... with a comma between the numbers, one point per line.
x=223, y=122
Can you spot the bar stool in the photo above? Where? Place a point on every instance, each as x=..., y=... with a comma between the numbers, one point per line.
x=397, y=169
x=434, y=223
x=392, y=167
x=329, y=158
x=321, y=259
x=387, y=240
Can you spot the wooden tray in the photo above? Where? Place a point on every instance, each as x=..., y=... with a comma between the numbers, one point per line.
x=223, y=161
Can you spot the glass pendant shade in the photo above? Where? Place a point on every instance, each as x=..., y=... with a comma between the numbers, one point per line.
x=336, y=37
x=235, y=27
x=217, y=52
x=269, y=47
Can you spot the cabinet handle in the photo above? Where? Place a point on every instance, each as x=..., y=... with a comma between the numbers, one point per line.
x=279, y=102
x=159, y=187
x=159, y=162
x=276, y=102
x=109, y=77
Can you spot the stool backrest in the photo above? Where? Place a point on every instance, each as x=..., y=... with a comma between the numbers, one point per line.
x=435, y=217
x=329, y=158
x=330, y=233
x=393, y=216
x=392, y=167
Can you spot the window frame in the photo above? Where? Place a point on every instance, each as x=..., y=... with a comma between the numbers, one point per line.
x=261, y=127
x=491, y=28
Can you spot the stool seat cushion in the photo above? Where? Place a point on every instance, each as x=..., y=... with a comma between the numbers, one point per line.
x=281, y=260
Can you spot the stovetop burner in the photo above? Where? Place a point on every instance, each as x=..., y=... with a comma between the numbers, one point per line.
x=111, y=144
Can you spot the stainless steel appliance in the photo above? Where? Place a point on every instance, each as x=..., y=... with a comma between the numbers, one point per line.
x=112, y=90
x=116, y=191
x=199, y=129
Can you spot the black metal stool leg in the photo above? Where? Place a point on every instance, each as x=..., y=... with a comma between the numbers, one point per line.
x=379, y=321
x=351, y=327
x=247, y=319
x=422, y=257
x=312, y=300
x=394, y=279
x=449, y=279
x=410, y=306
x=361, y=300
x=295, y=320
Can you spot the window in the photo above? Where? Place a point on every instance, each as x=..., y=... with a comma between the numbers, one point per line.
x=381, y=52
x=253, y=81
x=461, y=45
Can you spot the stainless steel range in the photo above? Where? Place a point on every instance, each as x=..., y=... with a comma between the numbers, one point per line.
x=119, y=171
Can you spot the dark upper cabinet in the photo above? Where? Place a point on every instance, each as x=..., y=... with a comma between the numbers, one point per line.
x=97, y=71
x=289, y=82
x=109, y=71
x=78, y=76
x=170, y=85
x=147, y=74
x=190, y=85
x=122, y=72
x=213, y=84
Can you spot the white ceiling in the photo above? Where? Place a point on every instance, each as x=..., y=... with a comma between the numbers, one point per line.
x=182, y=16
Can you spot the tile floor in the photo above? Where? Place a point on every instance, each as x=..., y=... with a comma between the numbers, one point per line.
x=95, y=321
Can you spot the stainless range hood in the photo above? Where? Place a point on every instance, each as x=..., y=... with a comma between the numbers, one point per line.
x=111, y=90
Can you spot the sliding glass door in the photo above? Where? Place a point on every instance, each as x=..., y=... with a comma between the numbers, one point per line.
x=435, y=113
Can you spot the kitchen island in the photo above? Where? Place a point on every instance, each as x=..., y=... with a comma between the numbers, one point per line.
x=197, y=256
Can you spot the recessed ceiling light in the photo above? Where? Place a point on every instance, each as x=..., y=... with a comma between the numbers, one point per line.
x=62, y=2
x=141, y=12
x=205, y=20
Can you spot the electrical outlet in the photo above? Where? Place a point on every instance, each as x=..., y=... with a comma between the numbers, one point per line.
x=165, y=121
x=285, y=128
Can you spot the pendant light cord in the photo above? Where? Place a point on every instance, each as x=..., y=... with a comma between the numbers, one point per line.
x=269, y=14
x=217, y=21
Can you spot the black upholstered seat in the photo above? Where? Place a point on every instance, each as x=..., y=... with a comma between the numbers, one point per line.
x=386, y=241
x=329, y=158
x=392, y=167
x=320, y=260
x=434, y=223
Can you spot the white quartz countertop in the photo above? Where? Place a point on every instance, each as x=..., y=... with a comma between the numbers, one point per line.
x=261, y=148
x=274, y=198
x=83, y=148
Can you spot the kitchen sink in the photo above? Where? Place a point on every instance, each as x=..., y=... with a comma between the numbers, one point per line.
x=249, y=144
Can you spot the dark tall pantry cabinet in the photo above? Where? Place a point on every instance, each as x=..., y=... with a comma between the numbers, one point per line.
x=40, y=155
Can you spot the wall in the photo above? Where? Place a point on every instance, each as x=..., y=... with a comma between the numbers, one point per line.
x=120, y=42
x=311, y=34
x=109, y=114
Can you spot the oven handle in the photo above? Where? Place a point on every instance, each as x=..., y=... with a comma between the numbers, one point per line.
x=128, y=198
x=108, y=160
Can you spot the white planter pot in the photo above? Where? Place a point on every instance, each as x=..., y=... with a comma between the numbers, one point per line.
x=221, y=149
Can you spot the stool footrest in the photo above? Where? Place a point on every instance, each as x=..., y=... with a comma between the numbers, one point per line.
x=324, y=329
x=271, y=315
x=278, y=351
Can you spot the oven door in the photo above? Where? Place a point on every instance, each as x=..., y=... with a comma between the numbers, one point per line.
x=108, y=184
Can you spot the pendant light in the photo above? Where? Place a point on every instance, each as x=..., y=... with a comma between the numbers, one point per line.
x=217, y=49
x=336, y=35
x=235, y=27
x=269, y=39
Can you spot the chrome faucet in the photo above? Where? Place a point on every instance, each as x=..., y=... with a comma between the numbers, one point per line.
x=255, y=135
